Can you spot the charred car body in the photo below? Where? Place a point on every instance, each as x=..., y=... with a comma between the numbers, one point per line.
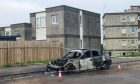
x=81, y=59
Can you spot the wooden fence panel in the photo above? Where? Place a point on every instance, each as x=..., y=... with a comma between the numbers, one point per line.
x=12, y=52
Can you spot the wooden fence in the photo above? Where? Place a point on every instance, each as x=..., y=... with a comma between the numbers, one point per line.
x=23, y=51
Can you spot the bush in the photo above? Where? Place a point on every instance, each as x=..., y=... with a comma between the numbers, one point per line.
x=132, y=54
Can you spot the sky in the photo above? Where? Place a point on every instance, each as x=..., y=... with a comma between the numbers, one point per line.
x=17, y=11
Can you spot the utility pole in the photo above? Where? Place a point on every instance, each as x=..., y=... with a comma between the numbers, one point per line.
x=81, y=28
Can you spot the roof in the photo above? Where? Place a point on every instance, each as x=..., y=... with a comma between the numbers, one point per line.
x=83, y=50
x=37, y=12
x=21, y=25
x=119, y=13
x=135, y=5
x=61, y=7
x=65, y=6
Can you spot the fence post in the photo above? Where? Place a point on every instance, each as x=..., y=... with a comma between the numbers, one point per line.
x=49, y=52
x=37, y=51
x=62, y=50
x=24, y=52
x=7, y=56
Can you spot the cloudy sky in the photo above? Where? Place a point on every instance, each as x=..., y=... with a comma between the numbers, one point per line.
x=17, y=11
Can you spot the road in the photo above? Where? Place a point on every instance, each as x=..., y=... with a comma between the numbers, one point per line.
x=129, y=75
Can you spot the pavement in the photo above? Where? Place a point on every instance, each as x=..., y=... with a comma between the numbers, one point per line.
x=124, y=59
x=128, y=75
x=41, y=67
x=23, y=69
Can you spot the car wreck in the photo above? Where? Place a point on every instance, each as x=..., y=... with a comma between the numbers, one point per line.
x=81, y=59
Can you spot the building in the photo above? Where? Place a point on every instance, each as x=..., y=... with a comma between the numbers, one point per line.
x=121, y=32
x=22, y=29
x=134, y=9
x=76, y=28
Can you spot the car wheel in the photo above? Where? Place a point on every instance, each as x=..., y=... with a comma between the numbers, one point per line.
x=105, y=66
x=69, y=68
x=48, y=70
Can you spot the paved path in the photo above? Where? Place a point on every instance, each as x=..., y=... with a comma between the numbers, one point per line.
x=94, y=77
x=24, y=69
x=125, y=59
x=41, y=67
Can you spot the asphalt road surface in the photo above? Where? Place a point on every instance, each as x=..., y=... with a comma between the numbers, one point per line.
x=128, y=75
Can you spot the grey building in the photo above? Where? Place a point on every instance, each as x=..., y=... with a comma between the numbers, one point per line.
x=22, y=29
x=121, y=32
x=76, y=28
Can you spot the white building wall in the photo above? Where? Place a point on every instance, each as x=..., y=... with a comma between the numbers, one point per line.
x=41, y=34
x=41, y=26
x=8, y=31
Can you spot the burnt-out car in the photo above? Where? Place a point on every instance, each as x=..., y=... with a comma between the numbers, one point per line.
x=81, y=59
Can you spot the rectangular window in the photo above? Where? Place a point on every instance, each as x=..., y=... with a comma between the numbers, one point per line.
x=133, y=29
x=95, y=53
x=7, y=33
x=124, y=43
x=37, y=22
x=42, y=21
x=128, y=18
x=123, y=31
x=17, y=33
x=132, y=42
x=133, y=18
x=55, y=19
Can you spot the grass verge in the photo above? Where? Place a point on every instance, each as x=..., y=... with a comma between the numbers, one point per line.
x=18, y=64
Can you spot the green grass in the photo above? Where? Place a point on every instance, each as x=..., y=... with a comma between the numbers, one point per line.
x=7, y=66
x=39, y=62
x=18, y=64
x=132, y=54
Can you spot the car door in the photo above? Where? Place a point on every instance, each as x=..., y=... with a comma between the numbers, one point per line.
x=86, y=61
x=97, y=58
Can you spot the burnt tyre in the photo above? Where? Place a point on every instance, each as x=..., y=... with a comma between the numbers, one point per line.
x=48, y=70
x=106, y=65
x=69, y=68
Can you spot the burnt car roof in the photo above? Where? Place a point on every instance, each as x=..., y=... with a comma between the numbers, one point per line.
x=83, y=50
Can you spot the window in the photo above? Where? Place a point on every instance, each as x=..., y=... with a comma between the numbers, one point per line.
x=133, y=29
x=37, y=22
x=86, y=55
x=133, y=18
x=123, y=19
x=128, y=18
x=73, y=55
x=123, y=31
x=132, y=42
x=95, y=53
x=17, y=33
x=124, y=43
x=7, y=33
x=54, y=19
x=42, y=22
